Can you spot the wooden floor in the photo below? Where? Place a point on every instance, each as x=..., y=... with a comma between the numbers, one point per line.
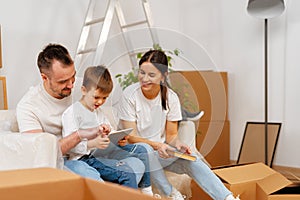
x=293, y=174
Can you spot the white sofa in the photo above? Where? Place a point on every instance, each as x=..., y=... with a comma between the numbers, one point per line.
x=19, y=151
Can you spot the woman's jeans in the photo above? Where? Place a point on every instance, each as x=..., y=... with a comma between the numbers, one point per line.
x=197, y=170
x=111, y=170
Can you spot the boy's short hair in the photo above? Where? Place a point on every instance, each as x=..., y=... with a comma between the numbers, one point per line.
x=99, y=78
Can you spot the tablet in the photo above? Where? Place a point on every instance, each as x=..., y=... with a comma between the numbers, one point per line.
x=115, y=136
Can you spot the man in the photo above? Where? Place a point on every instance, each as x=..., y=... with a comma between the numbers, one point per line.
x=41, y=108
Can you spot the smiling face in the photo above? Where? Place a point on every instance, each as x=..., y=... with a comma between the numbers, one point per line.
x=93, y=98
x=150, y=79
x=59, y=81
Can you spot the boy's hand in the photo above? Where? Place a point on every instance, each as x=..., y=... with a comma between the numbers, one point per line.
x=89, y=133
x=99, y=142
x=105, y=129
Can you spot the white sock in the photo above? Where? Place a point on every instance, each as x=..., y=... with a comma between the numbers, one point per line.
x=230, y=197
x=147, y=190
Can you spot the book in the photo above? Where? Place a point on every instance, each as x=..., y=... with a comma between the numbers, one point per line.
x=179, y=154
x=115, y=136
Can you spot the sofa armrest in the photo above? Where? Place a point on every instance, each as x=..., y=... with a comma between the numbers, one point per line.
x=187, y=134
x=21, y=151
x=8, y=120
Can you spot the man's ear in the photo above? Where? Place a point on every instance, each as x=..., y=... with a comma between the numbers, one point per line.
x=44, y=76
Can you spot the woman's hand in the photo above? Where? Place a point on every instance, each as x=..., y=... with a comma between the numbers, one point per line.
x=182, y=147
x=163, y=149
x=99, y=142
x=123, y=141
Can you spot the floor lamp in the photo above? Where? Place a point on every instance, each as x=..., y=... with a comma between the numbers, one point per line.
x=265, y=9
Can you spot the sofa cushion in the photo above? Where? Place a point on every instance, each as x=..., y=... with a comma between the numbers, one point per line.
x=8, y=121
x=21, y=151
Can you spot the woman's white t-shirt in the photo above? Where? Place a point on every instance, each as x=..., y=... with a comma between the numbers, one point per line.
x=148, y=114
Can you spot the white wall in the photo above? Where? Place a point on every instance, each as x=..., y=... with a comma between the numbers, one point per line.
x=222, y=29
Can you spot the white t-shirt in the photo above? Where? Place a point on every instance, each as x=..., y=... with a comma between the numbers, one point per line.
x=39, y=110
x=78, y=117
x=148, y=114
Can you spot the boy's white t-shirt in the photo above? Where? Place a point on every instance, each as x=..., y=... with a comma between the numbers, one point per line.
x=39, y=110
x=78, y=117
x=148, y=114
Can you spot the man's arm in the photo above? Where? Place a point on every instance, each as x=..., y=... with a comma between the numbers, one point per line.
x=69, y=142
x=66, y=143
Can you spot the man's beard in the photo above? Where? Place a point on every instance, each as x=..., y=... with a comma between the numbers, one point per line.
x=63, y=95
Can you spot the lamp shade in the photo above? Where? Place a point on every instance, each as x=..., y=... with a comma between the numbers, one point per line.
x=265, y=9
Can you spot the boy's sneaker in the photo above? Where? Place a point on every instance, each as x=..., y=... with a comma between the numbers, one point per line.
x=147, y=190
x=176, y=195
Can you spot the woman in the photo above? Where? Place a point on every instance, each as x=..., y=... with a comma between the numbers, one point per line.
x=153, y=110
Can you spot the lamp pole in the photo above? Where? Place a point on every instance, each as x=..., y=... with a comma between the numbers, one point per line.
x=266, y=9
x=266, y=91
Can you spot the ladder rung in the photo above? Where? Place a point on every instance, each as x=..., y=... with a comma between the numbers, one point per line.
x=132, y=53
x=87, y=51
x=94, y=21
x=134, y=24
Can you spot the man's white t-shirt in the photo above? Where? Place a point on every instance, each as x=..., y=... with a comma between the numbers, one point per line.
x=148, y=114
x=39, y=110
x=78, y=117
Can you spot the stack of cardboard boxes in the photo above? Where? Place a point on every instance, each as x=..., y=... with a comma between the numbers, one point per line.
x=207, y=91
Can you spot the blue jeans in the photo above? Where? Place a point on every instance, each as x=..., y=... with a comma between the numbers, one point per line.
x=114, y=171
x=83, y=169
x=129, y=151
x=134, y=152
x=197, y=170
x=140, y=152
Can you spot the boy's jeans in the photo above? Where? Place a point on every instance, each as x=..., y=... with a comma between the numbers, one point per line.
x=112, y=170
x=83, y=169
x=130, y=151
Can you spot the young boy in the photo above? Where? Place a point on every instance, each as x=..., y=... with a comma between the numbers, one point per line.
x=96, y=87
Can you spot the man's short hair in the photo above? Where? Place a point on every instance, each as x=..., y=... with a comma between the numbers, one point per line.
x=50, y=53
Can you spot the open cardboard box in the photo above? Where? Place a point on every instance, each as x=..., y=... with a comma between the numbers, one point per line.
x=254, y=181
x=50, y=184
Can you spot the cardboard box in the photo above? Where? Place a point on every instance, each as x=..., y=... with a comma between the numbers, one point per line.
x=213, y=142
x=252, y=182
x=206, y=90
x=50, y=184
